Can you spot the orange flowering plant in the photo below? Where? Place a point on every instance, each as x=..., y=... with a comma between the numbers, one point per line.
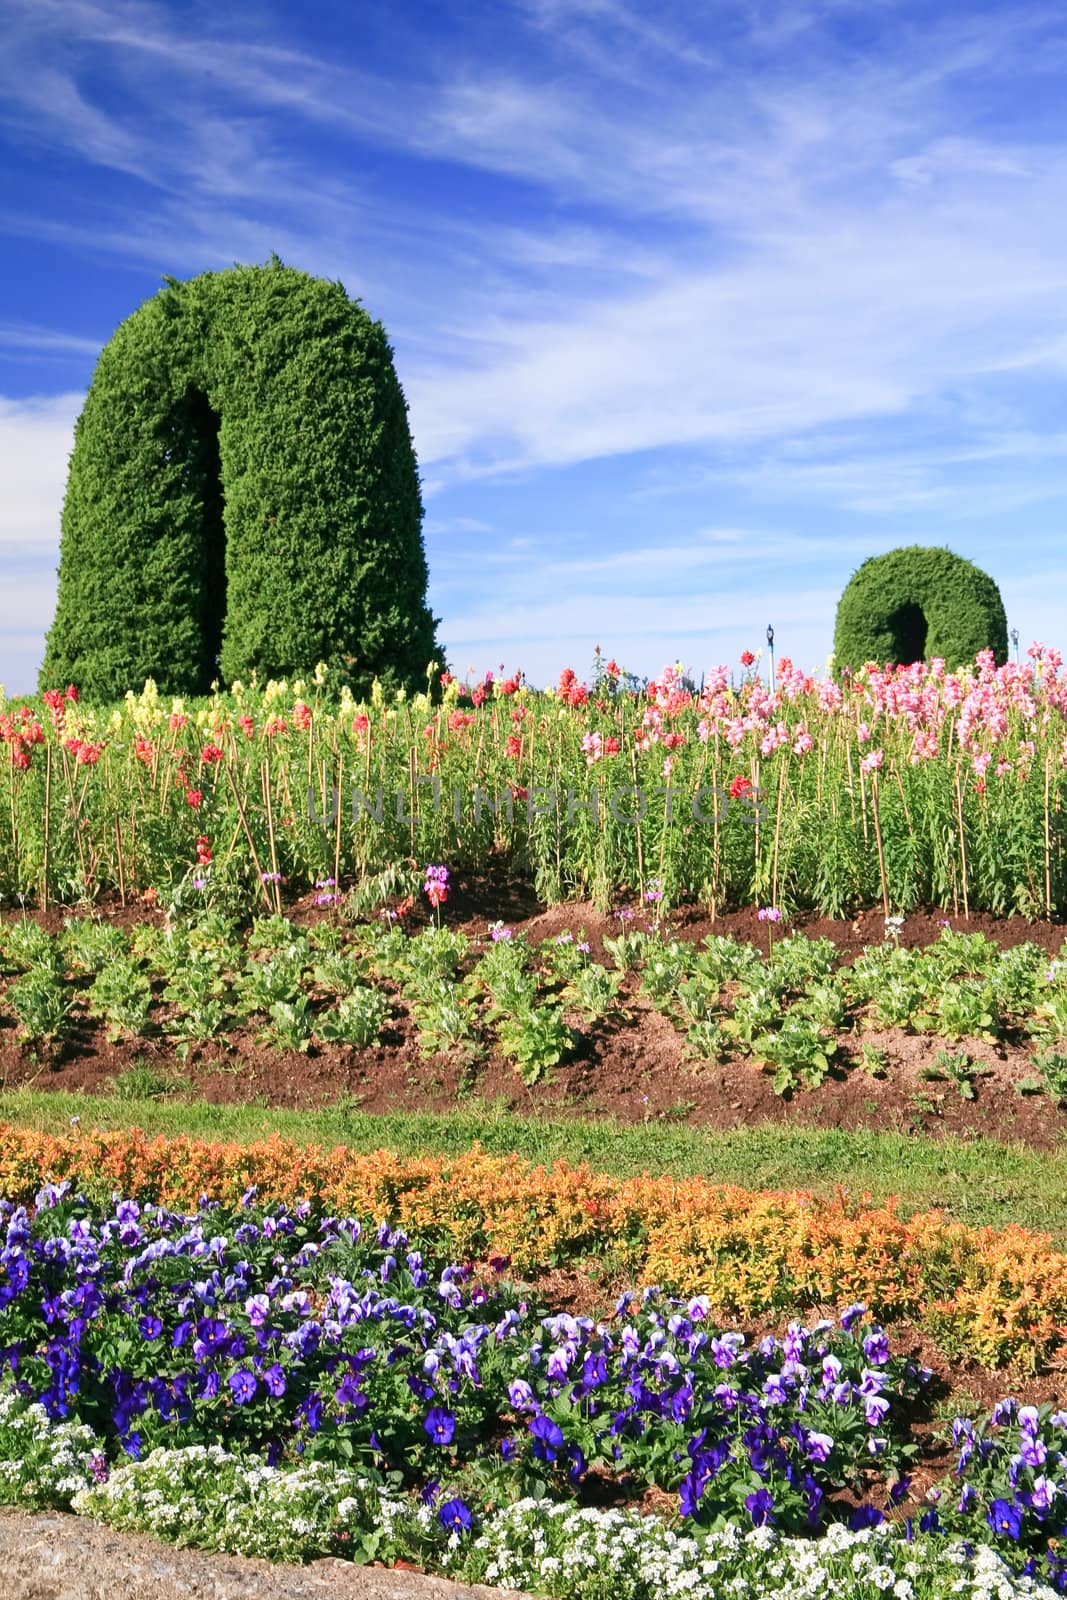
x=996, y=1296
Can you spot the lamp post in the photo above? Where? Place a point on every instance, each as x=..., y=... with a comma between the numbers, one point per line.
x=1015, y=644
x=770, y=647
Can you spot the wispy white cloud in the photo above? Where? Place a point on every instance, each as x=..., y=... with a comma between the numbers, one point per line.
x=27, y=610
x=804, y=270
x=36, y=437
x=980, y=478
x=27, y=605
x=809, y=283
x=442, y=526
x=658, y=564
x=46, y=341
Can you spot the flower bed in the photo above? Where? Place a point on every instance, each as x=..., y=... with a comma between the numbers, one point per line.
x=998, y=1296
x=546, y=1547
x=902, y=786
x=797, y=1010
x=286, y=1383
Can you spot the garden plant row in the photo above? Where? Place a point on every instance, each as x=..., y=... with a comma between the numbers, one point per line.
x=587, y=1386
x=995, y=1296
x=270, y=1378
x=795, y=1010
x=905, y=786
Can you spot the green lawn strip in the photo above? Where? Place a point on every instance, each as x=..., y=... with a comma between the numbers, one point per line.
x=977, y=1181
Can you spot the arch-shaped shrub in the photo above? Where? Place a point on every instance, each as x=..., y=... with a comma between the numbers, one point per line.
x=242, y=494
x=915, y=603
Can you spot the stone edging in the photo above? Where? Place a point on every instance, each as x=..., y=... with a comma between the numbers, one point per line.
x=52, y=1556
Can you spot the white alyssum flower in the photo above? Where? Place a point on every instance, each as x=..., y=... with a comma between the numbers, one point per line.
x=42, y=1462
x=206, y=1496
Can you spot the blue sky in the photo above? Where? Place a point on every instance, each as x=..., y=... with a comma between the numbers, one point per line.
x=695, y=306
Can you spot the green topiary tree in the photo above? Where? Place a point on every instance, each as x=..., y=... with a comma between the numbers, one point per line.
x=242, y=495
x=916, y=603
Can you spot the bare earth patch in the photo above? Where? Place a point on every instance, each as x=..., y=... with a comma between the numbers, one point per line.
x=632, y=1066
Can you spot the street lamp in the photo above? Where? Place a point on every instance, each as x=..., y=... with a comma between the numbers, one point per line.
x=1015, y=644
x=770, y=647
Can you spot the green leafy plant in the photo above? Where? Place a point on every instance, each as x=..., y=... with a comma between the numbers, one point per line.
x=968, y=1009
x=503, y=966
x=798, y=962
x=565, y=955
x=707, y=1040
x=799, y=1051
x=593, y=990
x=511, y=991
x=873, y=1061
x=900, y=1002
x=1051, y=1017
x=122, y=995
x=262, y=984
x=698, y=998
x=1014, y=979
x=1051, y=1065
x=275, y=933
x=91, y=944
x=958, y=1067
x=42, y=1004
x=958, y=954
x=722, y=959
x=825, y=1003
x=290, y=1024
x=28, y=945
x=386, y=949
x=201, y=997
x=663, y=970
x=755, y=1011
x=217, y=932
x=211, y=891
x=536, y=1039
x=446, y=1020
x=340, y=972
x=357, y=1018
x=434, y=953
x=629, y=951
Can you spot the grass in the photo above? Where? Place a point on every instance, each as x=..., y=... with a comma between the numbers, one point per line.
x=977, y=1181
x=141, y=1082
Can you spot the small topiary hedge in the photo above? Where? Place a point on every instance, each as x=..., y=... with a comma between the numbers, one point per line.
x=243, y=495
x=916, y=603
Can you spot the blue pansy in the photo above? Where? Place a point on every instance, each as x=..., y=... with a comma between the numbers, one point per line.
x=243, y=1384
x=1005, y=1517
x=440, y=1425
x=455, y=1515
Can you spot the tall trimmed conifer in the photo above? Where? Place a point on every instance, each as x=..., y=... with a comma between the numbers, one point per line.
x=242, y=496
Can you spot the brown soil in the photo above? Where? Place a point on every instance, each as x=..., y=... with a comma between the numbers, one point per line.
x=634, y=1069
x=631, y=1066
